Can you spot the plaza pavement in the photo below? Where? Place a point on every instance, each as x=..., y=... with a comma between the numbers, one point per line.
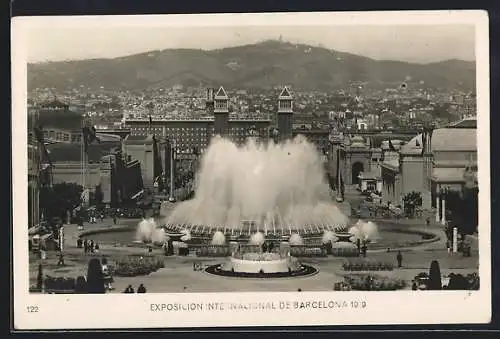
x=178, y=274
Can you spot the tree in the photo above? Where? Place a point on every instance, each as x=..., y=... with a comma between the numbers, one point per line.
x=463, y=207
x=95, y=277
x=470, y=210
x=98, y=196
x=57, y=200
x=411, y=201
x=434, y=276
x=81, y=285
x=39, y=278
x=458, y=282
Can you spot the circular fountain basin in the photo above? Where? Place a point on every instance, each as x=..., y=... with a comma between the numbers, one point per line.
x=390, y=237
x=267, y=265
x=258, y=263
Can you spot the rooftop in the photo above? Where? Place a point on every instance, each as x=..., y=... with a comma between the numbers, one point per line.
x=138, y=139
x=469, y=122
x=73, y=152
x=454, y=139
x=414, y=146
x=446, y=174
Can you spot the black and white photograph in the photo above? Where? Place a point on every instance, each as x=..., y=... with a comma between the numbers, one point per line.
x=251, y=169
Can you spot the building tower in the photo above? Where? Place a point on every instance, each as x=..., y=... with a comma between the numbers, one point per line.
x=221, y=113
x=209, y=104
x=285, y=114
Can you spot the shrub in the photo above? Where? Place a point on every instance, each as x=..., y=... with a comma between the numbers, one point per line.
x=95, y=277
x=368, y=282
x=458, y=282
x=341, y=286
x=308, y=251
x=434, y=276
x=133, y=266
x=473, y=280
x=365, y=265
x=213, y=251
x=344, y=252
x=81, y=285
x=59, y=284
x=39, y=278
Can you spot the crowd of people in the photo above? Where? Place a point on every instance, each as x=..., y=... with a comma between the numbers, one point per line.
x=89, y=246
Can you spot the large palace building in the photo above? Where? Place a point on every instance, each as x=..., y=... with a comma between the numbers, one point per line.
x=195, y=133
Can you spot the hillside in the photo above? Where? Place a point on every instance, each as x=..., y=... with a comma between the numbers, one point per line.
x=266, y=64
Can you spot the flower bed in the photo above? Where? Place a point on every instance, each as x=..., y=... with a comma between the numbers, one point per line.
x=368, y=282
x=132, y=266
x=364, y=265
x=306, y=251
x=344, y=252
x=451, y=282
x=213, y=251
x=342, y=286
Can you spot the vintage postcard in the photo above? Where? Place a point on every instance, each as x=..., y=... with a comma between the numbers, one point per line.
x=251, y=170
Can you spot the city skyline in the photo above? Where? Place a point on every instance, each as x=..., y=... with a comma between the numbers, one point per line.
x=410, y=43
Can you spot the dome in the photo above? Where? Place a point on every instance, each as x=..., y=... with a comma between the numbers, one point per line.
x=357, y=141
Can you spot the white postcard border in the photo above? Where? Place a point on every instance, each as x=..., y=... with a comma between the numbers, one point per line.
x=127, y=311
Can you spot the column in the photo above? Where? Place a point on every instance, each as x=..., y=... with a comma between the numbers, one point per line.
x=61, y=238
x=455, y=240
x=443, y=212
x=438, y=202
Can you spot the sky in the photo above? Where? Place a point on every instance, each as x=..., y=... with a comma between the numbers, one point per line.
x=413, y=43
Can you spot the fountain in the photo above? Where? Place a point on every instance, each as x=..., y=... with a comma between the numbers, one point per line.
x=149, y=232
x=281, y=187
x=218, y=238
x=365, y=231
x=257, y=239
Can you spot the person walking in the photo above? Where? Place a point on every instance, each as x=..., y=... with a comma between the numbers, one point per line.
x=364, y=249
x=60, y=262
x=108, y=278
x=399, y=258
x=85, y=246
x=96, y=246
x=141, y=289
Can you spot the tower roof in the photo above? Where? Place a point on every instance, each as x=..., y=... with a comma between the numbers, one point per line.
x=285, y=94
x=221, y=94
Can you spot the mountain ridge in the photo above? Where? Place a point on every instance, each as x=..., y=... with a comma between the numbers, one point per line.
x=265, y=64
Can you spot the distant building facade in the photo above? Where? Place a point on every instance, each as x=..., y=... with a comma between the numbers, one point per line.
x=430, y=163
x=119, y=178
x=188, y=134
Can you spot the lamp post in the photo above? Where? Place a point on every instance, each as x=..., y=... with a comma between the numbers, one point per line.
x=444, y=193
